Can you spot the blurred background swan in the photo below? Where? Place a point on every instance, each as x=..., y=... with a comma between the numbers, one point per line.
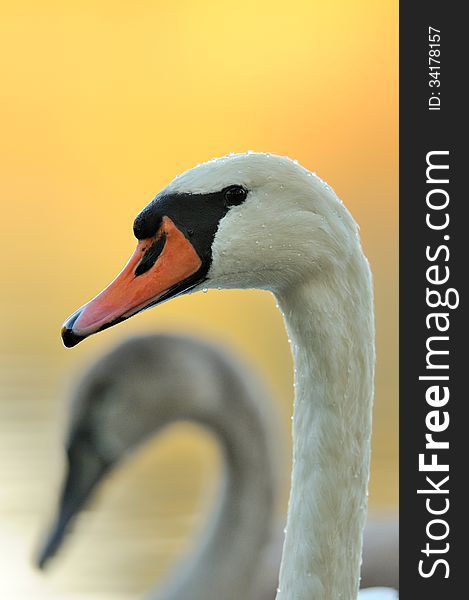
x=152, y=381
x=146, y=384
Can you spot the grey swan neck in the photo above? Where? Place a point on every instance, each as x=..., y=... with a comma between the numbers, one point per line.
x=226, y=563
x=330, y=324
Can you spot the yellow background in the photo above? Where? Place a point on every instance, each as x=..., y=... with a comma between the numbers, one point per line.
x=102, y=103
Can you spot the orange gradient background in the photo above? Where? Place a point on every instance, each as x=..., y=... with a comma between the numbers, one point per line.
x=102, y=104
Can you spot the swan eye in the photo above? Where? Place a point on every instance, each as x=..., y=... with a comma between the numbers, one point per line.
x=235, y=194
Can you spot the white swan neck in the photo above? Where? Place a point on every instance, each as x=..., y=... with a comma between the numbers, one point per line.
x=331, y=331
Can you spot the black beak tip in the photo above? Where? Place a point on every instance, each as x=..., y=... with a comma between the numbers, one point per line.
x=41, y=561
x=48, y=550
x=70, y=338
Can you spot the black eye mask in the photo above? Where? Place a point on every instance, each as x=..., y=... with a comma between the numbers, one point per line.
x=197, y=216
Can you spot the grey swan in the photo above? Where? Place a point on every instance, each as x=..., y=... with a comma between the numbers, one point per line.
x=132, y=393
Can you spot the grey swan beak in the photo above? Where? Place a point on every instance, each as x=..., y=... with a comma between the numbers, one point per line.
x=85, y=469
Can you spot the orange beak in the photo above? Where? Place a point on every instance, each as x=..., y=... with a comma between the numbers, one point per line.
x=161, y=267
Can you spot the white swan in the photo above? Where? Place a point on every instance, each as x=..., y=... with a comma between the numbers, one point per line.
x=262, y=221
x=133, y=392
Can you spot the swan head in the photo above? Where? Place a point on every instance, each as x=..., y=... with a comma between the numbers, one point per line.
x=128, y=395
x=132, y=393
x=250, y=220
